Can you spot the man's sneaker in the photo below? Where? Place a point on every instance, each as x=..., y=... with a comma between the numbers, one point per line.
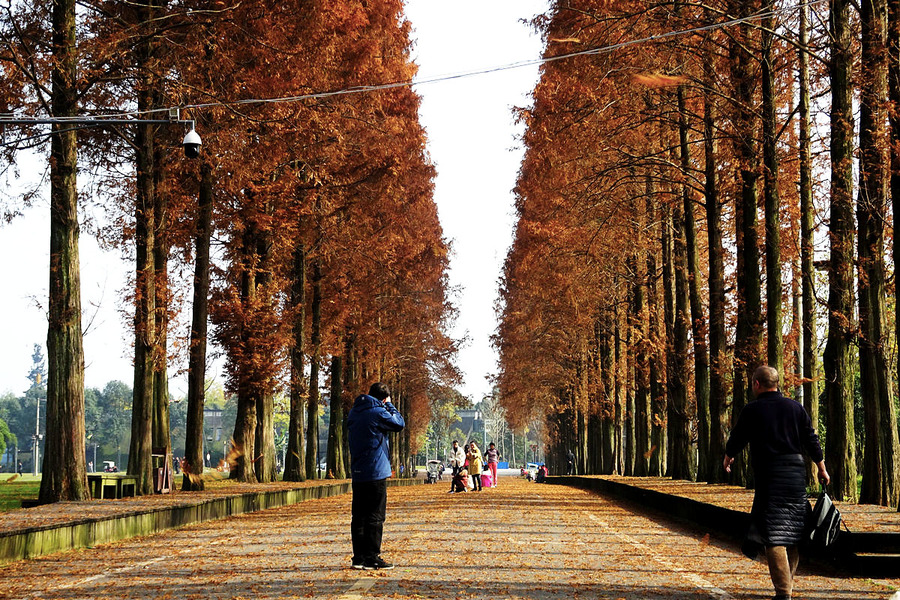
x=377, y=564
x=357, y=564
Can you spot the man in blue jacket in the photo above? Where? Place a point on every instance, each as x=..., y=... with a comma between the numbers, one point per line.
x=370, y=420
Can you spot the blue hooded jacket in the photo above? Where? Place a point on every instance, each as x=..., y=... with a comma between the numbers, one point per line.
x=368, y=424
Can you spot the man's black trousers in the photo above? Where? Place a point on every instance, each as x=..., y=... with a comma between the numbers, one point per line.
x=367, y=520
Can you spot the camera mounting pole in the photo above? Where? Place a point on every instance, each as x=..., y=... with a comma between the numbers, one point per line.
x=91, y=122
x=191, y=141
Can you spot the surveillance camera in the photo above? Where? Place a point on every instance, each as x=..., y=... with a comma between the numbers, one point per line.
x=191, y=144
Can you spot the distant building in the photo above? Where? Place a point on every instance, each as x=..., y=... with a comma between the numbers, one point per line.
x=214, y=434
x=471, y=424
x=212, y=423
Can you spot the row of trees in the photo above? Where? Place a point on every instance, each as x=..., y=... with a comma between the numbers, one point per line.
x=306, y=233
x=107, y=417
x=698, y=204
x=107, y=421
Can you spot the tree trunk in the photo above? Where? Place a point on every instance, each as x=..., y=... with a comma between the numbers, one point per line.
x=248, y=388
x=840, y=442
x=668, y=252
x=894, y=119
x=641, y=328
x=595, y=383
x=394, y=444
x=698, y=318
x=607, y=364
x=748, y=331
x=351, y=377
x=657, y=360
x=139, y=463
x=335, y=456
x=774, y=318
x=312, y=414
x=161, y=435
x=63, y=471
x=196, y=393
x=718, y=340
x=681, y=460
x=266, y=459
x=146, y=420
x=807, y=237
x=631, y=342
x=621, y=391
x=880, y=474
x=294, y=464
x=244, y=438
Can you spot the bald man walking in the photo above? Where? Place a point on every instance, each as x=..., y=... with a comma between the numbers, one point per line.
x=778, y=431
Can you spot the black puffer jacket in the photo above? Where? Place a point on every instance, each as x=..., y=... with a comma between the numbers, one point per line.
x=777, y=430
x=780, y=507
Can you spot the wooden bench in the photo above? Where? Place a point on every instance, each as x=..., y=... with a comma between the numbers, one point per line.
x=111, y=485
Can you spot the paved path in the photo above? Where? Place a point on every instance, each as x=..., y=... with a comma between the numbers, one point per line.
x=519, y=540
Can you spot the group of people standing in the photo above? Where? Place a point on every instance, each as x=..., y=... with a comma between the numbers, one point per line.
x=469, y=461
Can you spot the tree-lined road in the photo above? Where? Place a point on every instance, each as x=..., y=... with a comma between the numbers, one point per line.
x=519, y=540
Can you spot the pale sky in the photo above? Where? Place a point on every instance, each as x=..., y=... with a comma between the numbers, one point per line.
x=472, y=139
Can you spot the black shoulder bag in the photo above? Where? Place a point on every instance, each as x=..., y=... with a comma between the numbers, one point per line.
x=824, y=524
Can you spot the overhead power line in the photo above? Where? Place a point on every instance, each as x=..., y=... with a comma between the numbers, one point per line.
x=516, y=65
x=475, y=73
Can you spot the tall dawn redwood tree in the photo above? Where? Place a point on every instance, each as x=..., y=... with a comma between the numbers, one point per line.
x=807, y=229
x=64, y=458
x=880, y=459
x=748, y=330
x=894, y=118
x=193, y=445
x=840, y=447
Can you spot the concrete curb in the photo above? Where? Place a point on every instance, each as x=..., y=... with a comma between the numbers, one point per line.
x=40, y=541
x=729, y=522
x=861, y=553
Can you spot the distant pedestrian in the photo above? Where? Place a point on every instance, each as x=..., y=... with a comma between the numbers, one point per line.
x=476, y=465
x=90, y=466
x=19, y=468
x=492, y=456
x=459, y=482
x=570, y=462
x=457, y=457
x=778, y=429
x=370, y=421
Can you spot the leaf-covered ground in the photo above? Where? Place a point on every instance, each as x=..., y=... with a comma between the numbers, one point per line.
x=520, y=540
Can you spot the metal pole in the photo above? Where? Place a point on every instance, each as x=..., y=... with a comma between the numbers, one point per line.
x=94, y=122
x=36, y=449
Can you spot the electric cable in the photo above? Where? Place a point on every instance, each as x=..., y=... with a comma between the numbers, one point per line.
x=466, y=74
x=516, y=65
